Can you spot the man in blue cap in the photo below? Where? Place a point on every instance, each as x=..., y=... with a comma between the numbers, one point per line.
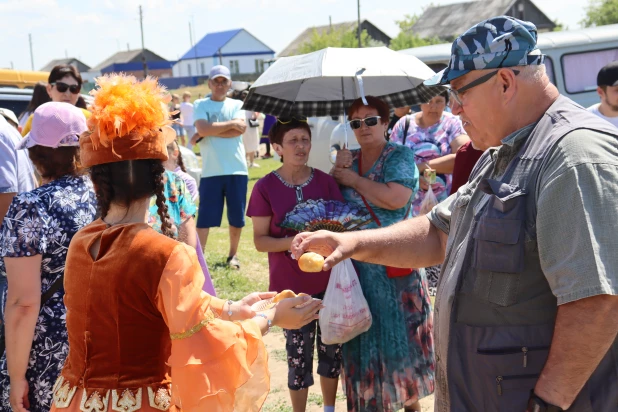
x=525, y=313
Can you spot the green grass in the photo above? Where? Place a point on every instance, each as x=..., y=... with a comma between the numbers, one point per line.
x=279, y=354
x=253, y=273
x=315, y=399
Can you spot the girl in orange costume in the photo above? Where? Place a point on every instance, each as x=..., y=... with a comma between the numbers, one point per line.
x=143, y=336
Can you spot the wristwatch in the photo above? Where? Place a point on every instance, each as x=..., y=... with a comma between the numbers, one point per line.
x=536, y=404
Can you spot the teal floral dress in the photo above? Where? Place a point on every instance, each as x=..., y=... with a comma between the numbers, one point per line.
x=393, y=362
x=180, y=207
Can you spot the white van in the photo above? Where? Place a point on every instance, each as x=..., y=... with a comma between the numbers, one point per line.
x=574, y=57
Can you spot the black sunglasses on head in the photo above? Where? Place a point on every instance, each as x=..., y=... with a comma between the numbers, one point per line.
x=286, y=120
x=369, y=121
x=63, y=87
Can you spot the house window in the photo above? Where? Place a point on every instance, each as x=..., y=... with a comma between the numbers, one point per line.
x=580, y=69
x=234, y=67
x=188, y=69
x=203, y=68
x=259, y=66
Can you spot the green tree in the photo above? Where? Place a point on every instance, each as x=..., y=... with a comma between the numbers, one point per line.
x=335, y=38
x=559, y=26
x=600, y=13
x=406, y=39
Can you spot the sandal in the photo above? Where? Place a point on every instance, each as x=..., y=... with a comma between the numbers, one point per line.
x=233, y=262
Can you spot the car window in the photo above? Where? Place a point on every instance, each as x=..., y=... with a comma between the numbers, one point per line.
x=17, y=106
x=580, y=69
x=549, y=68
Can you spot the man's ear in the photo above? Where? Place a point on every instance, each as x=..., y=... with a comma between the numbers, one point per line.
x=600, y=92
x=508, y=81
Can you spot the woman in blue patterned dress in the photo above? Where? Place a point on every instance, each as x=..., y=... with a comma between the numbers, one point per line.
x=434, y=137
x=391, y=366
x=34, y=240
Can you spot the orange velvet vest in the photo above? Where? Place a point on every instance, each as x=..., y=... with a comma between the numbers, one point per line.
x=118, y=339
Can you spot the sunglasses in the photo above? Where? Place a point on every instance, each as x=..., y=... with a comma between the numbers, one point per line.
x=63, y=87
x=369, y=121
x=456, y=95
x=286, y=120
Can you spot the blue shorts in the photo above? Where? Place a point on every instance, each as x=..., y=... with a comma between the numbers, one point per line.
x=214, y=191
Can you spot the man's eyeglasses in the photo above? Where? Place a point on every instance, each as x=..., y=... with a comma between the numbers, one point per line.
x=369, y=121
x=456, y=94
x=286, y=120
x=63, y=87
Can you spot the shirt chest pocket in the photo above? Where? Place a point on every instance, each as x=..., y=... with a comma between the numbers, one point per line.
x=499, y=235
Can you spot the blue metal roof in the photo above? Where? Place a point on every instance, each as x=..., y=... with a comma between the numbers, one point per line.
x=210, y=44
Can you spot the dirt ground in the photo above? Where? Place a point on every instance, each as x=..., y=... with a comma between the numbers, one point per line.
x=279, y=400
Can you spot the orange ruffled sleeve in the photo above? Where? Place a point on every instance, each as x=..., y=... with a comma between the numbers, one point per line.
x=216, y=365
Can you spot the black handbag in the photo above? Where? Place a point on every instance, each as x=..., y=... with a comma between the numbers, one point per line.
x=44, y=298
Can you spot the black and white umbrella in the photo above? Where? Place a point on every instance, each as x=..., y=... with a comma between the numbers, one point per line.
x=325, y=82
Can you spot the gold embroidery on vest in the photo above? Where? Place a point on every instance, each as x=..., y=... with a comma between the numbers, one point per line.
x=161, y=399
x=210, y=316
x=63, y=393
x=128, y=402
x=94, y=403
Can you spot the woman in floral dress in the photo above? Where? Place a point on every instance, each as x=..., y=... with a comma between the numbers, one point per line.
x=391, y=366
x=434, y=136
x=34, y=240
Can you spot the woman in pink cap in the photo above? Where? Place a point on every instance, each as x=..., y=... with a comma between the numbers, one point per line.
x=34, y=240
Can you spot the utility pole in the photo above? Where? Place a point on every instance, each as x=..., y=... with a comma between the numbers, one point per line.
x=141, y=26
x=31, y=54
x=359, y=24
x=193, y=47
x=330, y=24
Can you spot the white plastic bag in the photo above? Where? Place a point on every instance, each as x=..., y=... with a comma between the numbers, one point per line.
x=346, y=313
x=428, y=202
x=430, y=199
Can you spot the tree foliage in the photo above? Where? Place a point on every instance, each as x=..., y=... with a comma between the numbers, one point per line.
x=406, y=39
x=600, y=13
x=337, y=37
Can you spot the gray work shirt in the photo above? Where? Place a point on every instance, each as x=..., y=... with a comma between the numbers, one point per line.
x=575, y=225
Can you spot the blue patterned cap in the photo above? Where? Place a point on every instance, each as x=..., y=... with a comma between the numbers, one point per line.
x=491, y=44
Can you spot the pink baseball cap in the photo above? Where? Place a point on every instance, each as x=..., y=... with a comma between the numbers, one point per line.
x=55, y=124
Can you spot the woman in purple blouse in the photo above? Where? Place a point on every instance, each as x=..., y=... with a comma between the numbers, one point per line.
x=273, y=196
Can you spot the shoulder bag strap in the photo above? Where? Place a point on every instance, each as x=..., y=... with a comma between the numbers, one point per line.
x=405, y=130
x=373, y=215
x=52, y=289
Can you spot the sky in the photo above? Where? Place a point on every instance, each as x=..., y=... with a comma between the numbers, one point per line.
x=92, y=30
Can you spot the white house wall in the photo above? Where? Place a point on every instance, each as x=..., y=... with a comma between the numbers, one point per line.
x=181, y=69
x=246, y=64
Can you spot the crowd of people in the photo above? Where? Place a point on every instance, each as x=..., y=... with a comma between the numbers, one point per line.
x=106, y=297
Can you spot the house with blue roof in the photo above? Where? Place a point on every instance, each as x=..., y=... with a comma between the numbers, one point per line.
x=239, y=50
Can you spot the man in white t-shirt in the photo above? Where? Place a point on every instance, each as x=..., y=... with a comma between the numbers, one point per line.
x=16, y=171
x=220, y=123
x=186, y=116
x=607, y=87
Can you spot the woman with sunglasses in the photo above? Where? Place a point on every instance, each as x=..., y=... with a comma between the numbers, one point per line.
x=434, y=137
x=391, y=366
x=63, y=85
x=272, y=198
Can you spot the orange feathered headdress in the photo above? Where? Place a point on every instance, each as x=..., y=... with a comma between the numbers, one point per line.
x=129, y=121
